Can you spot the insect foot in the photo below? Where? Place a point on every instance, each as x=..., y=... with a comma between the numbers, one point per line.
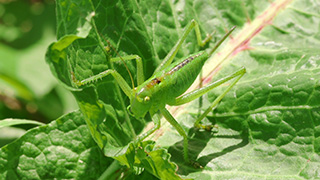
x=207, y=127
x=75, y=81
x=196, y=165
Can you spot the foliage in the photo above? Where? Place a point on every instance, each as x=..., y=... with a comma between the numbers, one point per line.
x=268, y=126
x=27, y=90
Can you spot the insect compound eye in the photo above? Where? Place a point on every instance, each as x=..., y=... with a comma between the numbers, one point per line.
x=146, y=99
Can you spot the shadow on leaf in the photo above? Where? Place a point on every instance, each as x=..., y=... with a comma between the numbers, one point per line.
x=197, y=143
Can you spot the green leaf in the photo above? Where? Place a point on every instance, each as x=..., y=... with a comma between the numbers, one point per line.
x=133, y=29
x=26, y=32
x=145, y=156
x=156, y=161
x=103, y=107
x=27, y=90
x=268, y=125
x=62, y=149
x=12, y=122
x=9, y=134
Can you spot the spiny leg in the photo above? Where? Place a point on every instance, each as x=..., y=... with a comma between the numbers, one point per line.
x=116, y=75
x=121, y=82
x=214, y=104
x=140, y=75
x=177, y=126
x=156, y=121
x=193, y=24
x=199, y=92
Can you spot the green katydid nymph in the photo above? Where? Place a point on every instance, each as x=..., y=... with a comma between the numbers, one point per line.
x=167, y=85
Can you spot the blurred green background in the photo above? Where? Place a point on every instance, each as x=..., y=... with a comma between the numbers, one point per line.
x=27, y=88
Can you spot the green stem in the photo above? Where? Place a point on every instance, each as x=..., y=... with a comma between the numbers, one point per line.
x=109, y=172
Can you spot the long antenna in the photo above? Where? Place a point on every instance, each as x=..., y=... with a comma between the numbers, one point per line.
x=221, y=40
x=132, y=82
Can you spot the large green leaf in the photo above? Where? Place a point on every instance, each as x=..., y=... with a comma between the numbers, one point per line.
x=268, y=125
x=27, y=90
x=12, y=122
x=63, y=149
x=264, y=95
x=102, y=104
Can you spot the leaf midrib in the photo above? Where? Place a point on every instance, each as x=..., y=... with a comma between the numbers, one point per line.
x=265, y=109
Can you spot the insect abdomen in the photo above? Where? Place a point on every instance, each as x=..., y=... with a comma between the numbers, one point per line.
x=180, y=76
x=168, y=84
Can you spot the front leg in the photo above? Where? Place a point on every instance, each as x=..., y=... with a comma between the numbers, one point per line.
x=140, y=75
x=157, y=122
x=121, y=82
